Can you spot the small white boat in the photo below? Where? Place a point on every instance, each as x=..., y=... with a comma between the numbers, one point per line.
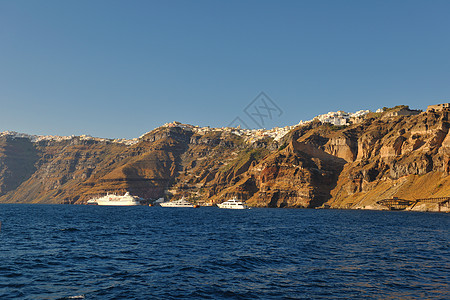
x=115, y=200
x=233, y=204
x=177, y=203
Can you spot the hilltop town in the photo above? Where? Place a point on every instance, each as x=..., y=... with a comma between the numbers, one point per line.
x=339, y=118
x=57, y=138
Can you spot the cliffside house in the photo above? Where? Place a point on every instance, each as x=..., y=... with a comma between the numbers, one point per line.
x=404, y=111
x=438, y=107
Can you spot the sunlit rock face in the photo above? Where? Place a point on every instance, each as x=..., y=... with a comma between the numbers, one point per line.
x=307, y=166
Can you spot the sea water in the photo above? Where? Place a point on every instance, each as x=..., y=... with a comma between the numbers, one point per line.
x=100, y=252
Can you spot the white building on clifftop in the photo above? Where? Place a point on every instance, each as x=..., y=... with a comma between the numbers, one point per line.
x=340, y=118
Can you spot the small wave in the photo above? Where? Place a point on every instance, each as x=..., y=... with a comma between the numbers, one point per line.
x=14, y=274
x=70, y=229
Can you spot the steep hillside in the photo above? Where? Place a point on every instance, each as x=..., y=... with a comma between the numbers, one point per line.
x=315, y=164
x=59, y=168
x=348, y=167
x=18, y=158
x=297, y=174
x=405, y=157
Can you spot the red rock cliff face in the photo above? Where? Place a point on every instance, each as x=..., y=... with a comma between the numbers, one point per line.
x=18, y=157
x=405, y=157
x=352, y=167
x=76, y=170
x=342, y=167
x=301, y=174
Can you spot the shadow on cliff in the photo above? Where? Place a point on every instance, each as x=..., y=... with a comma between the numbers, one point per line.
x=155, y=171
x=325, y=168
x=18, y=158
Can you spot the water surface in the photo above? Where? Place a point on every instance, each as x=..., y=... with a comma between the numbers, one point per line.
x=98, y=252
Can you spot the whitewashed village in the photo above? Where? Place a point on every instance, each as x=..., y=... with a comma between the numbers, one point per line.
x=339, y=118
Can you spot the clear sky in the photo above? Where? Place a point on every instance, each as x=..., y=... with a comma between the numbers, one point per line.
x=121, y=68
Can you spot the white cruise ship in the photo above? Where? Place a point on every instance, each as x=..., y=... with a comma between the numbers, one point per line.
x=233, y=204
x=177, y=203
x=115, y=200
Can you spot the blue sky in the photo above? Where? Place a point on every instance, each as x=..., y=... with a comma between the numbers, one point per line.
x=121, y=68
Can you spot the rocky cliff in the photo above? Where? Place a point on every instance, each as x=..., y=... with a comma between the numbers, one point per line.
x=313, y=165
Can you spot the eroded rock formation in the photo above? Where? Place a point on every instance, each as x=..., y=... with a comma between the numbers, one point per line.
x=313, y=165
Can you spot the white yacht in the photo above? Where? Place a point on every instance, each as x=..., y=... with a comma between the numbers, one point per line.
x=115, y=200
x=233, y=204
x=177, y=203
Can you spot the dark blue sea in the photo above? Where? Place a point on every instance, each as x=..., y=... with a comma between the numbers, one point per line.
x=99, y=252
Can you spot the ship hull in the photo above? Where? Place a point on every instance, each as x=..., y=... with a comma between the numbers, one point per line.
x=177, y=203
x=231, y=206
x=174, y=205
x=114, y=200
x=117, y=203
